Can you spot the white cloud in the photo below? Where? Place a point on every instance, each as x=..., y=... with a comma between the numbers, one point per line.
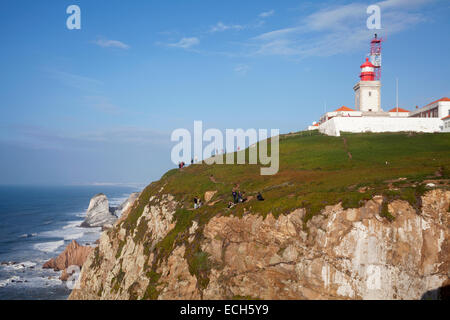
x=337, y=29
x=242, y=69
x=185, y=43
x=267, y=14
x=74, y=80
x=38, y=137
x=219, y=27
x=111, y=44
x=103, y=104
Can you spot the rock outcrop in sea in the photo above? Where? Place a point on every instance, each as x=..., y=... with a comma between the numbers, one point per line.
x=98, y=213
x=355, y=253
x=73, y=255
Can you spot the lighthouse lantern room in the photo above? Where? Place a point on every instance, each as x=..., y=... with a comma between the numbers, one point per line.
x=367, y=91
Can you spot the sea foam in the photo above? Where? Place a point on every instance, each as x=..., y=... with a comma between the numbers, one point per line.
x=47, y=247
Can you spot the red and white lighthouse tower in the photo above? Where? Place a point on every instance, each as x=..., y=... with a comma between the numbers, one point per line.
x=368, y=89
x=367, y=71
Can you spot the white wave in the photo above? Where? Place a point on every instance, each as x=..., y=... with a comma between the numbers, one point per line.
x=73, y=224
x=40, y=282
x=32, y=281
x=81, y=214
x=49, y=246
x=74, y=236
x=20, y=265
x=71, y=231
x=28, y=235
x=117, y=201
x=28, y=264
x=4, y=283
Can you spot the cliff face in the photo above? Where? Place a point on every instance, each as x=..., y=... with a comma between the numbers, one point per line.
x=338, y=254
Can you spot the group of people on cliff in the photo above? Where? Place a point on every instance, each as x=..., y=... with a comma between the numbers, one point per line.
x=239, y=197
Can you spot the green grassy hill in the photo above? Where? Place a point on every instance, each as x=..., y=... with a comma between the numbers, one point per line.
x=315, y=171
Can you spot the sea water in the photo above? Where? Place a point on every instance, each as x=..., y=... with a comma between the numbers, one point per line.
x=36, y=223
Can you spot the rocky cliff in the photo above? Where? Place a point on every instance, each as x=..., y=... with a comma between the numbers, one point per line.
x=362, y=216
x=73, y=255
x=124, y=206
x=341, y=253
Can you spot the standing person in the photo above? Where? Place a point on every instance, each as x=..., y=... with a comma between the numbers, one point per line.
x=192, y=160
x=195, y=203
x=234, y=193
x=239, y=196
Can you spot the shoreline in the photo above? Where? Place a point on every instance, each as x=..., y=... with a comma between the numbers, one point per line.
x=24, y=254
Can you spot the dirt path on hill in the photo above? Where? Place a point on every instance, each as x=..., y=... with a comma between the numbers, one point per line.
x=350, y=157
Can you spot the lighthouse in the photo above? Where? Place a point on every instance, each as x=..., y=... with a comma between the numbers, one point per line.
x=367, y=90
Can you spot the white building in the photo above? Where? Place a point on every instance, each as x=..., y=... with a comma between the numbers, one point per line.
x=446, y=124
x=314, y=126
x=369, y=117
x=436, y=109
x=341, y=112
x=399, y=112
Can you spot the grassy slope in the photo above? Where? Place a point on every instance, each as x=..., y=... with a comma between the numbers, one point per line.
x=315, y=171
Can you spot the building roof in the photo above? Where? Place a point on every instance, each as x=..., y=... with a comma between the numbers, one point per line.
x=442, y=99
x=344, y=108
x=399, y=110
x=316, y=125
x=445, y=118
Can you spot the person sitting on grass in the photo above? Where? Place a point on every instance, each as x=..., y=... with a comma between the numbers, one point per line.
x=259, y=197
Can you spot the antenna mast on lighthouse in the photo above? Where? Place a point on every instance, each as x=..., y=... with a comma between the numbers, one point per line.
x=375, y=55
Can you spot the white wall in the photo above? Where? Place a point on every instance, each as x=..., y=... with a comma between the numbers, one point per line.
x=446, y=125
x=444, y=109
x=334, y=126
x=400, y=114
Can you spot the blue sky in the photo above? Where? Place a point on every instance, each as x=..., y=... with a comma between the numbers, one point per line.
x=99, y=104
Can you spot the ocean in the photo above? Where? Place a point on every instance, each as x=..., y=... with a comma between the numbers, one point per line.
x=36, y=224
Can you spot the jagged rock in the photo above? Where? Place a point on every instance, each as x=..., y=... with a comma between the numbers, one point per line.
x=341, y=254
x=98, y=212
x=209, y=195
x=126, y=204
x=106, y=227
x=73, y=255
